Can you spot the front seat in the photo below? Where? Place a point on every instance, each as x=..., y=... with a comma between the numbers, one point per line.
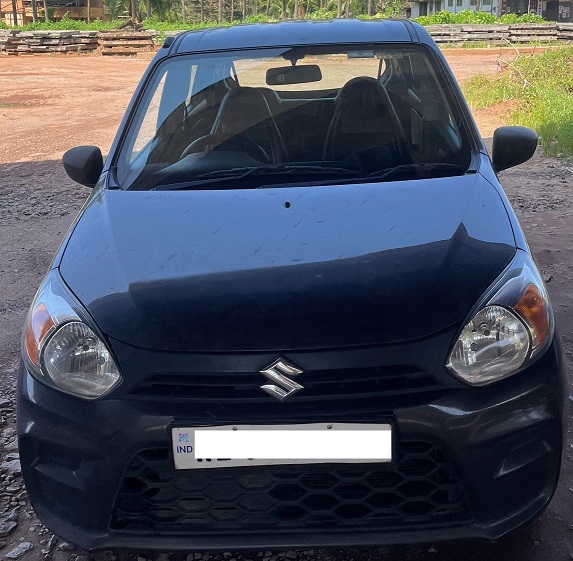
x=244, y=124
x=365, y=126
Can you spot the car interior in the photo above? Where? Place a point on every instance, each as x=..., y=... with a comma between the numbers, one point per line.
x=268, y=119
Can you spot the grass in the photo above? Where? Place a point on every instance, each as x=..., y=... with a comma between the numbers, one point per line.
x=542, y=87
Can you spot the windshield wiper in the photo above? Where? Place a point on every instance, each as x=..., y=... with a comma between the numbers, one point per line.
x=417, y=171
x=205, y=180
x=402, y=172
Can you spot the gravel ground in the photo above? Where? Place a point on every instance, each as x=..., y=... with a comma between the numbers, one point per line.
x=38, y=203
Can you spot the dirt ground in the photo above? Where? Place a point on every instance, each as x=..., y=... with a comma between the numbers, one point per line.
x=51, y=103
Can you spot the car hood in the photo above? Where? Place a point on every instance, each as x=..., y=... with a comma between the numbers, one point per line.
x=287, y=268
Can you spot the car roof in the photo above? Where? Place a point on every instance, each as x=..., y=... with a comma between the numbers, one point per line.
x=293, y=33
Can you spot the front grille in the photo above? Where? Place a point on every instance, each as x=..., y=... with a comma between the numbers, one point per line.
x=420, y=489
x=331, y=385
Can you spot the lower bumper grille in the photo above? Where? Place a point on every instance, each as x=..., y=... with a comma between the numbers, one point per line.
x=420, y=488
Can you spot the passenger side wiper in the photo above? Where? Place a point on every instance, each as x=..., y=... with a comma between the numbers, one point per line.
x=403, y=172
x=417, y=171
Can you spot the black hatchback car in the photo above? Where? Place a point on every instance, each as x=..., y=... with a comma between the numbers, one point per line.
x=296, y=309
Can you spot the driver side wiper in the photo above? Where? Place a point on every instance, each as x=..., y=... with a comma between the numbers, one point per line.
x=205, y=180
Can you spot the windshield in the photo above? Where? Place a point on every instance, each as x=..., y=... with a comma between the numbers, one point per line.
x=294, y=116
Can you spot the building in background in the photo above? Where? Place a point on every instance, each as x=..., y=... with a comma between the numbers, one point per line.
x=551, y=10
x=74, y=9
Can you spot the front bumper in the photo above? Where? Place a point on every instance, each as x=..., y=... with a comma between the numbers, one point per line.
x=486, y=461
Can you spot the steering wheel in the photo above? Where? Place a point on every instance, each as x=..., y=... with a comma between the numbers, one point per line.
x=233, y=144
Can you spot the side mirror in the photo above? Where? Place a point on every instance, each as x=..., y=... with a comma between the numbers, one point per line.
x=83, y=164
x=512, y=146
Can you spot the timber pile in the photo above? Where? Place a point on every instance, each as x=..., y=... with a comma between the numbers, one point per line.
x=9, y=41
x=531, y=32
x=460, y=33
x=125, y=42
x=58, y=41
x=26, y=42
x=565, y=31
x=119, y=42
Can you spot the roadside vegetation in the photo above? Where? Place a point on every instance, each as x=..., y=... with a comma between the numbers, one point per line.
x=541, y=87
x=168, y=15
x=470, y=17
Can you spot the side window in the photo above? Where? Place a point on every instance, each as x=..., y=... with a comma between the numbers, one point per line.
x=150, y=124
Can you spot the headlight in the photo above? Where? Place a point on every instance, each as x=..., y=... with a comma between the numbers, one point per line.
x=507, y=333
x=61, y=349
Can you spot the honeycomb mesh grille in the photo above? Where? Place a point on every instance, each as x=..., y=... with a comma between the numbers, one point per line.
x=421, y=488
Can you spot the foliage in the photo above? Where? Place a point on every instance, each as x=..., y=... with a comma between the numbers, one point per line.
x=3, y=25
x=476, y=17
x=70, y=24
x=167, y=14
x=115, y=7
x=541, y=86
x=525, y=18
x=321, y=14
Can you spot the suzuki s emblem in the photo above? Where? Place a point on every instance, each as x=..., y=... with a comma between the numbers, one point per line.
x=279, y=372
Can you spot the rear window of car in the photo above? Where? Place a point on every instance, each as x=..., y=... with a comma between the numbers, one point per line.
x=300, y=116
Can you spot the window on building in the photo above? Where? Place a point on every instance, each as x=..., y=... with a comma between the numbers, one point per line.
x=423, y=8
x=450, y=3
x=459, y=2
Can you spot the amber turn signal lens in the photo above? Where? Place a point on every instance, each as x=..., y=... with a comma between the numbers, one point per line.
x=532, y=307
x=39, y=325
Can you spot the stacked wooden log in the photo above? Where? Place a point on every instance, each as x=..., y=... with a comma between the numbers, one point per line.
x=26, y=42
x=125, y=42
x=58, y=41
x=565, y=31
x=120, y=42
x=532, y=32
x=9, y=41
x=458, y=34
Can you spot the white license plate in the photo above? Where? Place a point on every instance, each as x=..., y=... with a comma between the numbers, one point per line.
x=243, y=445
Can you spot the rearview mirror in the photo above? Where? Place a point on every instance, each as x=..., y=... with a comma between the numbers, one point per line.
x=284, y=75
x=83, y=164
x=512, y=146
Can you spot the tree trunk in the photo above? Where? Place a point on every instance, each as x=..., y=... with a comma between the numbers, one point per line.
x=295, y=9
x=244, y=9
x=202, y=10
x=183, y=12
x=89, y=11
x=34, y=11
x=46, y=13
x=339, y=13
x=148, y=8
x=132, y=8
x=255, y=7
x=232, y=10
x=220, y=19
x=14, y=14
x=283, y=9
x=369, y=7
x=268, y=8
